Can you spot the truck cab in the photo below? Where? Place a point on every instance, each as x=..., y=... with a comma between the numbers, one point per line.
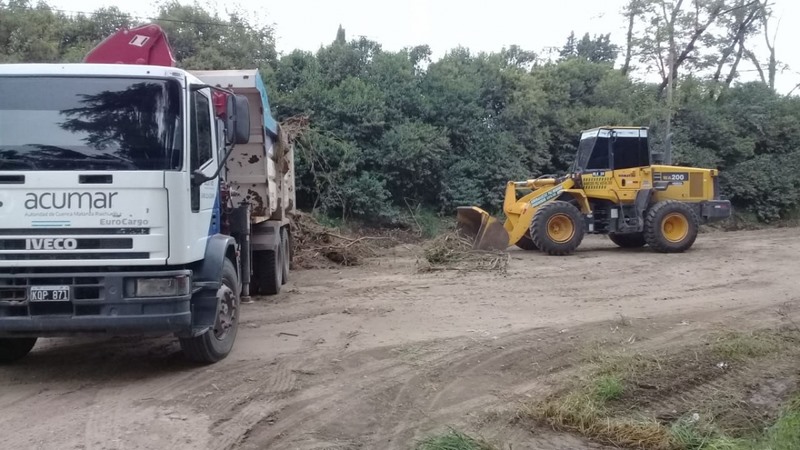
x=134, y=199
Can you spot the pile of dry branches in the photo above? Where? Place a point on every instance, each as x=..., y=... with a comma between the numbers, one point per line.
x=453, y=251
x=317, y=246
x=294, y=127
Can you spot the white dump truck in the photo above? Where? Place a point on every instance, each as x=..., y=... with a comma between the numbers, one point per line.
x=138, y=198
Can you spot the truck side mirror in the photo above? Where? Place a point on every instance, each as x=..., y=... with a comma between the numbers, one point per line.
x=238, y=123
x=222, y=138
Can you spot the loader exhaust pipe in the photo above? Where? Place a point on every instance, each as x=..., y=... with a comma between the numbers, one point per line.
x=486, y=232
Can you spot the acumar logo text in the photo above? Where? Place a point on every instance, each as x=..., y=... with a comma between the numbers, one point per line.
x=70, y=200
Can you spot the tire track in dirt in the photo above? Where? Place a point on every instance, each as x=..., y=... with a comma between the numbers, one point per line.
x=447, y=381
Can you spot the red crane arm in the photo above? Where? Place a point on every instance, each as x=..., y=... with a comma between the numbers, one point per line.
x=146, y=44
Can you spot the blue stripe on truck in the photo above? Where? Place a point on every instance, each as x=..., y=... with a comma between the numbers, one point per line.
x=269, y=122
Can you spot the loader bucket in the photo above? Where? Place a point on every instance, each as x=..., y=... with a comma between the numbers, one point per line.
x=486, y=232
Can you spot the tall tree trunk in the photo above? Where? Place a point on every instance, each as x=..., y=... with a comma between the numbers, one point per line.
x=738, y=39
x=734, y=66
x=629, y=42
x=754, y=59
x=698, y=31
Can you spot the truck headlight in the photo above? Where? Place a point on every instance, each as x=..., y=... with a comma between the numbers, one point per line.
x=158, y=287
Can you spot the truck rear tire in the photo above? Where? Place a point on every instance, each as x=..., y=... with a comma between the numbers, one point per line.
x=671, y=226
x=628, y=240
x=286, y=255
x=267, y=271
x=13, y=349
x=216, y=343
x=557, y=228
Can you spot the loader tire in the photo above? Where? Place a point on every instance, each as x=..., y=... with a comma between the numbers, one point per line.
x=557, y=228
x=526, y=243
x=671, y=226
x=628, y=240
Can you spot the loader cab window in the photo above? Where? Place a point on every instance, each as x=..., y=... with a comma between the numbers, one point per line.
x=630, y=149
x=593, y=151
x=599, y=158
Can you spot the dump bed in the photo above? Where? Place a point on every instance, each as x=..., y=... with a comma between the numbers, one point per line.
x=261, y=171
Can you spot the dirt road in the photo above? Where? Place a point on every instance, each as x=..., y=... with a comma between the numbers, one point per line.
x=377, y=356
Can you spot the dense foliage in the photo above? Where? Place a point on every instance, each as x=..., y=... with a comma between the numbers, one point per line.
x=395, y=130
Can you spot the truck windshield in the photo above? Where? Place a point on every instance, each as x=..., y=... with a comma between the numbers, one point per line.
x=84, y=123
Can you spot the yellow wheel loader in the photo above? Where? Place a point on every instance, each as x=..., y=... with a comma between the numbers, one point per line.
x=613, y=189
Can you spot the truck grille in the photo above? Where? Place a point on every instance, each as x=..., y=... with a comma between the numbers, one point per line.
x=73, y=231
x=61, y=244
x=81, y=244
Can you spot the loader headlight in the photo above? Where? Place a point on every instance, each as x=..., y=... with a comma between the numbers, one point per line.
x=157, y=287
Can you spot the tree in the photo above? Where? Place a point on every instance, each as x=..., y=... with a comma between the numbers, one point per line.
x=598, y=49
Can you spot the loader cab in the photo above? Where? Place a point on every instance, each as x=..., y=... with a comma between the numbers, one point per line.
x=612, y=149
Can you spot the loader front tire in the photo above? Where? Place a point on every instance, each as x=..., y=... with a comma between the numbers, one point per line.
x=671, y=227
x=557, y=228
x=628, y=240
x=526, y=243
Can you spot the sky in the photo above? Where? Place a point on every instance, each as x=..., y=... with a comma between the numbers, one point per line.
x=486, y=25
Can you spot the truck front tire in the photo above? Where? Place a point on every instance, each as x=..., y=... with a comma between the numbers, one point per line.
x=216, y=343
x=13, y=349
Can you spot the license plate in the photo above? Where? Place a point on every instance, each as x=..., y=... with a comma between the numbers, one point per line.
x=49, y=294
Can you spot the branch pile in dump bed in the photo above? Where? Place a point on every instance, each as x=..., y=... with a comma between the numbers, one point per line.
x=453, y=251
x=317, y=246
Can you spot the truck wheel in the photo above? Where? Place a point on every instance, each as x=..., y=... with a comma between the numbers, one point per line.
x=557, y=228
x=285, y=255
x=216, y=343
x=526, y=243
x=628, y=240
x=13, y=349
x=671, y=226
x=266, y=279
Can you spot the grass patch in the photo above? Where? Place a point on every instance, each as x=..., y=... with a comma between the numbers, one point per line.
x=690, y=400
x=785, y=434
x=608, y=387
x=582, y=413
x=454, y=440
x=742, y=346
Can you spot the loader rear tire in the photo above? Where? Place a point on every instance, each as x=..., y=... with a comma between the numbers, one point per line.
x=526, y=243
x=671, y=226
x=628, y=240
x=557, y=228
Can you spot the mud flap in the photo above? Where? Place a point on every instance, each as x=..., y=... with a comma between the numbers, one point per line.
x=486, y=232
